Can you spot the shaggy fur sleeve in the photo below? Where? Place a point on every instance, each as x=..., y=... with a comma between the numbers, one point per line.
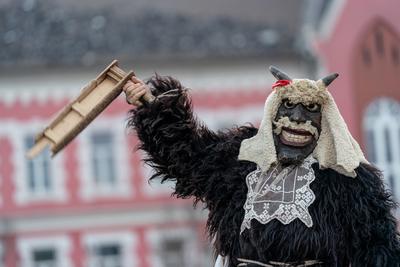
x=181, y=149
x=373, y=236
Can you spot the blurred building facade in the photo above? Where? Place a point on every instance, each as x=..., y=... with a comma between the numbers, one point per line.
x=361, y=41
x=92, y=205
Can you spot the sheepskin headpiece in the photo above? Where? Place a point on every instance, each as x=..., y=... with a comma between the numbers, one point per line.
x=335, y=149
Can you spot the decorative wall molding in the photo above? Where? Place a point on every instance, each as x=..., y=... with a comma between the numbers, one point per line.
x=167, y=214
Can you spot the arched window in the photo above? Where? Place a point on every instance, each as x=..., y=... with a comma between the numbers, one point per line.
x=382, y=135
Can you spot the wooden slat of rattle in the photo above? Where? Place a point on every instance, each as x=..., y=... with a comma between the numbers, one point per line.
x=78, y=114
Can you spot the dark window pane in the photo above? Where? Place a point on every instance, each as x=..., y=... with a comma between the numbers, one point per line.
x=31, y=177
x=108, y=255
x=380, y=47
x=366, y=56
x=370, y=142
x=44, y=255
x=46, y=175
x=102, y=158
x=395, y=55
x=102, y=138
x=38, y=169
x=173, y=253
x=387, y=146
x=110, y=250
x=29, y=142
x=391, y=185
x=44, y=258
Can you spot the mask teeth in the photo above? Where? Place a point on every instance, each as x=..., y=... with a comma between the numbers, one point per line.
x=296, y=138
x=286, y=122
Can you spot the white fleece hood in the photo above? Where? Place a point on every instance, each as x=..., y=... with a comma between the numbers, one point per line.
x=336, y=148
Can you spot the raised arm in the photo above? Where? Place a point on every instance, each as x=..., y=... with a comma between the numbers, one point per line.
x=180, y=148
x=373, y=231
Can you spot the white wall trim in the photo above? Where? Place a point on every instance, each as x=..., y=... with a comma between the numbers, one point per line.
x=60, y=243
x=133, y=217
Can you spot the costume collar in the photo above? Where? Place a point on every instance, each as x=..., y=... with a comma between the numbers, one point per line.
x=280, y=193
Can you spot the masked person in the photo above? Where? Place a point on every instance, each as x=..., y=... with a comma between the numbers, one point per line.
x=295, y=192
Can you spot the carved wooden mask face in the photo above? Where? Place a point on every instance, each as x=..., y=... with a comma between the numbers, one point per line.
x=298, y=136
x=294, y=142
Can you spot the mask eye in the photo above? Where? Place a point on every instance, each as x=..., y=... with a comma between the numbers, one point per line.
x=288, y=104
x=313, y=107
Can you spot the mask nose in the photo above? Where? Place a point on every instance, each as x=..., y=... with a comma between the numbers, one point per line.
x=297, y=114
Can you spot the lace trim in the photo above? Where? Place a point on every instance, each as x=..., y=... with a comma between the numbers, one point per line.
x=282, y=194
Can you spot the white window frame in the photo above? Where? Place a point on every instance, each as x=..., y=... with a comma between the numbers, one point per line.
x=123, y=185
x=61, y=244
x=16, y=132
x=102, y=155
x=384, y=113
x=125, y=239
x=187, y=235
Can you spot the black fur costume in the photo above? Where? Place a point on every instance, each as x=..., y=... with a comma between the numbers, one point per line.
x=352, y=217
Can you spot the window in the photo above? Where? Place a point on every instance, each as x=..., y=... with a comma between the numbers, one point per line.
x=174, y=248
x=110, y=249
x=38, y=171
x=44, y=251
x=382, y=135
x=207, y=254
x=173, y=253
x=103, y=160
x=41, y=179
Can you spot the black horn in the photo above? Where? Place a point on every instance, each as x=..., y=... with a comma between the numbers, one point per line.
x=280, y=75
x=328, y=79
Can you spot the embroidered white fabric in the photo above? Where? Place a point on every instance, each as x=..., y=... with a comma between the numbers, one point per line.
x=282, y=194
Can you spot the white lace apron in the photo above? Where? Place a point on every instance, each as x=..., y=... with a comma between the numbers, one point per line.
x=282, y=194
